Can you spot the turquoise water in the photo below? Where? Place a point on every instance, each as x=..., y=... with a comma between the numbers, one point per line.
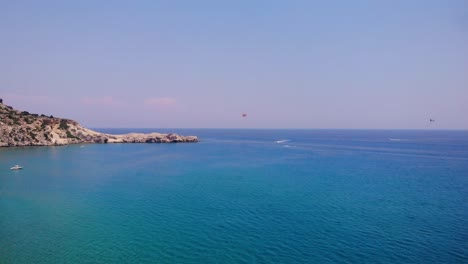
x=239, y=196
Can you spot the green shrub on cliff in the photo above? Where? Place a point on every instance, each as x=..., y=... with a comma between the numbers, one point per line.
x=27, y=120
x=63, y=124
x=69, y=135
x=45, y=122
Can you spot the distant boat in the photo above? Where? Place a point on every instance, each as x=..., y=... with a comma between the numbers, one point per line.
x=16, y=167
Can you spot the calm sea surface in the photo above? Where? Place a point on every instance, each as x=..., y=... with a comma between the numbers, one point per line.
x=240, y=196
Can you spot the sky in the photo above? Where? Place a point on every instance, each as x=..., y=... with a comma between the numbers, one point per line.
x=375, y=64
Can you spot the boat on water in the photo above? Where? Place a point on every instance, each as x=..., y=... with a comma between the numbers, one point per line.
x=16, y=167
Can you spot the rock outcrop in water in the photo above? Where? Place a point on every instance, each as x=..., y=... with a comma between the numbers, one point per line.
x=20, y=128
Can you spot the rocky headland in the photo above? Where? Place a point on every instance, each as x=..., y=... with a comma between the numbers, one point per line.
x=20, y=128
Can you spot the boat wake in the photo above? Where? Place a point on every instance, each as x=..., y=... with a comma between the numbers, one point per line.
x=16, y=167
x=282, y=141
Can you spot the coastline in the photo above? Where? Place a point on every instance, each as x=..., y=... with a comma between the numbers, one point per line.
x=21, y=128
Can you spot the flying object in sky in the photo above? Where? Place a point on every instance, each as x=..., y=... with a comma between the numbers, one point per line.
x=431, y=120
x=244, y=115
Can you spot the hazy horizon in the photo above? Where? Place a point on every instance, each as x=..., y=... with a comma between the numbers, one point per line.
x=296, y=64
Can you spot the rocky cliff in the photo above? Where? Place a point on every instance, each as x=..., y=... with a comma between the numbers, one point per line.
x=20, y=128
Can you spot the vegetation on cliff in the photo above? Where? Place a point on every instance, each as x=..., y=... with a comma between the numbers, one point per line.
x=21, y=128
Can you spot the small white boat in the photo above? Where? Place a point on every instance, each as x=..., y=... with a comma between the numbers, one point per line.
x=16, y=167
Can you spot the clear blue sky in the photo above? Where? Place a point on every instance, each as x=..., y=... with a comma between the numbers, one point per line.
x=287, y=64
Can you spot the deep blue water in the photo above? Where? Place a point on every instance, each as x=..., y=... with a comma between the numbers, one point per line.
x=239, y=196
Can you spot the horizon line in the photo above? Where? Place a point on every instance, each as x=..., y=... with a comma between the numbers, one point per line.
x=272, y=128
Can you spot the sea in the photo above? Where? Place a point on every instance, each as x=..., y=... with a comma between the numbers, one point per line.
x=240, y=196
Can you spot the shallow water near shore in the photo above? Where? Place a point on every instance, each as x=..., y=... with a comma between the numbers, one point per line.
x=240, y=196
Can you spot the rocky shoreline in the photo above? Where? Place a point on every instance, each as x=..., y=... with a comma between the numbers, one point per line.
x=20, y=128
